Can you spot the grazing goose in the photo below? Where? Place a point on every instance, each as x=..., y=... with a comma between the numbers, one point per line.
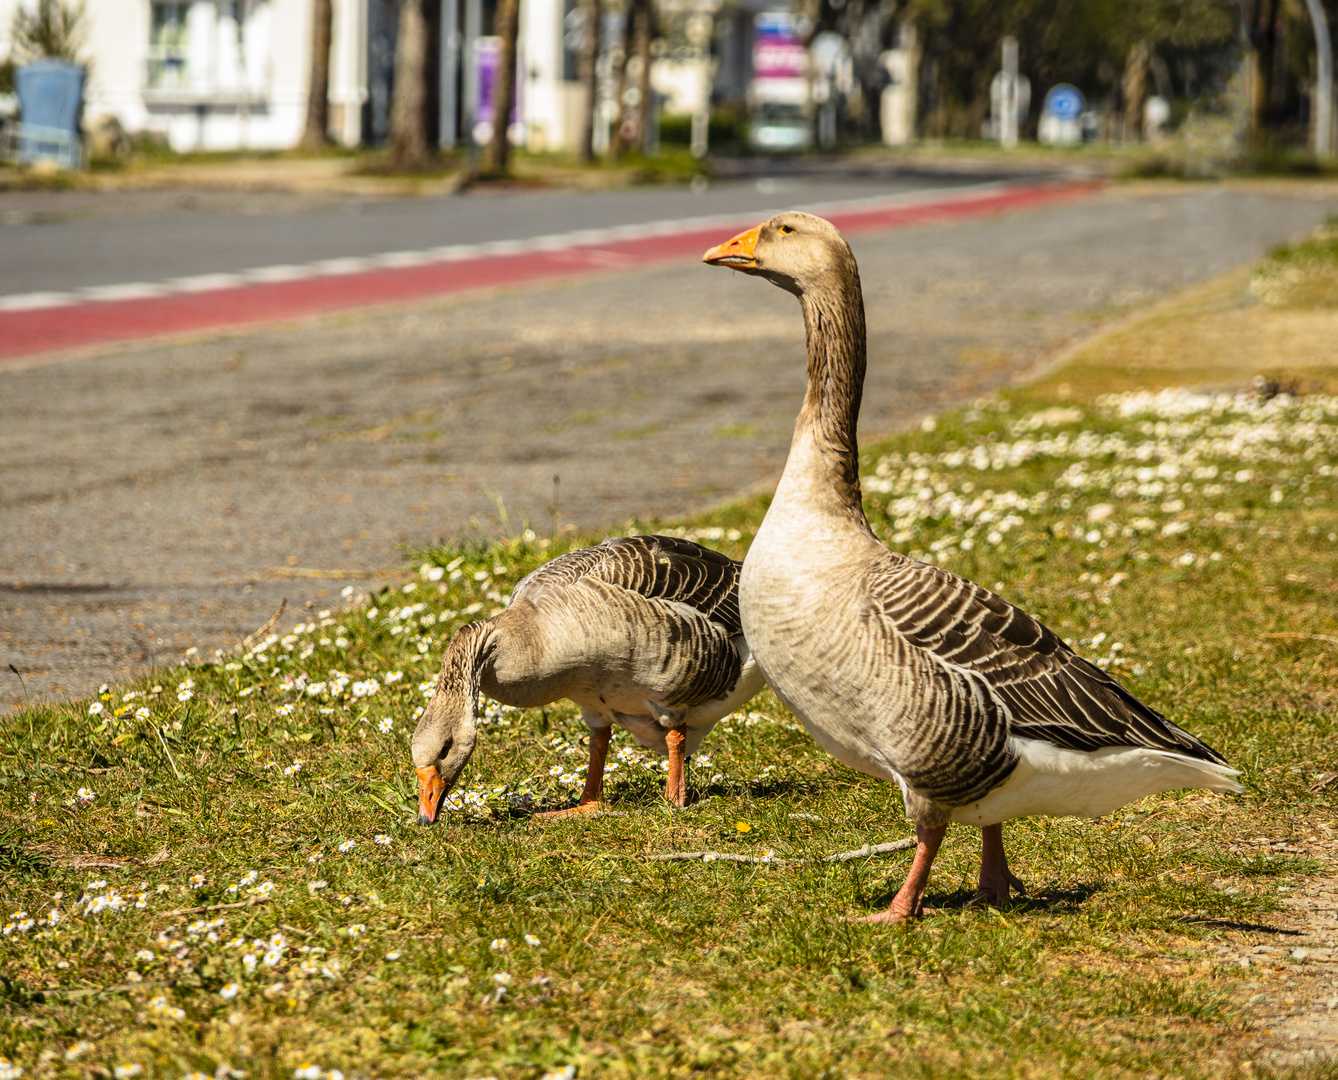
x=905, y=671
x=639, y=631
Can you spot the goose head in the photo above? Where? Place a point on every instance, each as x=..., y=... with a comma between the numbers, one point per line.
x=798, y=252
x=444, y=740
x=443, y=743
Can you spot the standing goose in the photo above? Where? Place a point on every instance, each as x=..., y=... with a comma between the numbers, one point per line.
x=639, y=631
x=905, y=671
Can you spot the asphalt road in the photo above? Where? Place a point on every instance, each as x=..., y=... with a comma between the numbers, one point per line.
x=164, y=495
x=58, y=241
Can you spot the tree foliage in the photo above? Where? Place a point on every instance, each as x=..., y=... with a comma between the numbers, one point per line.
x=1088, y=43
x=1092, y=44
x=53, y=30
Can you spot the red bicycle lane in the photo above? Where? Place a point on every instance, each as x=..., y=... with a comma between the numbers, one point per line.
x=41, y=330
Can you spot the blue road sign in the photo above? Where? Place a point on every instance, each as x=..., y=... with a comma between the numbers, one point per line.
x=1065, y=102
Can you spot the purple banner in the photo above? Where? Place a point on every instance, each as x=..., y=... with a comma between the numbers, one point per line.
x=487, y=61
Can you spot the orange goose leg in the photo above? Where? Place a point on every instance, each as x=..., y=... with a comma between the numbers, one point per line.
x=995, y=877
x=909, y=901
x=594, y=778
x=676, y=786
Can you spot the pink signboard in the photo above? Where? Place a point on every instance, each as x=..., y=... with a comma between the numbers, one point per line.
x=778, y=48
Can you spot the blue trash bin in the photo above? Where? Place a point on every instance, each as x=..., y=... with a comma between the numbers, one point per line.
x=51, y=97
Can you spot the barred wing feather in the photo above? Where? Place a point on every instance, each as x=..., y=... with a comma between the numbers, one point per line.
x=656, y=567
x=1047, y=691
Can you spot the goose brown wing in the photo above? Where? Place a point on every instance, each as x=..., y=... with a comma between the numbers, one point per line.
x=656, y=567
x=1048, y=691
x=697, y=650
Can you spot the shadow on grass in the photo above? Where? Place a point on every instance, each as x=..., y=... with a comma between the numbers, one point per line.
x=1234, y=924
x=627, y=802
x=768, y=788
x=1054, y=901
x=20, y=859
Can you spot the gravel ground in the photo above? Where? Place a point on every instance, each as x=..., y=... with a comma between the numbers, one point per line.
x=1294, y=990
x=159, y=496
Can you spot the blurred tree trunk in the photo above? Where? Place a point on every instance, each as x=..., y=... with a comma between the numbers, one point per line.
x=316, y=135
x=1134, y=89
x=408, y=147
x=630, y=131
x=1262, y=18
x=970, y=123
x=618, y=143
x=592, y=16
x=645, y=31
x=506, y=22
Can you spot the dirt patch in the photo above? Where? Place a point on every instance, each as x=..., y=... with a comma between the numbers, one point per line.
x=1293, y=962
x=1218, y=335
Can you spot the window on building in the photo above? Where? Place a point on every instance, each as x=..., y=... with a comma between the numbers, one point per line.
x=209, y=48
x=169, y=44
x=573, y=29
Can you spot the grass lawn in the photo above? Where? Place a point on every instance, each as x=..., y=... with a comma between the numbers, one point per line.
x=239, y=885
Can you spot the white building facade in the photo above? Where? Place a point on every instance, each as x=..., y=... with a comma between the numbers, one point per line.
x=204, y=74
x=550, y=104
x=233, y=74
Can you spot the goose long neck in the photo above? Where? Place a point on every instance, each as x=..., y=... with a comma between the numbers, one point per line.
x=470, y=655
x=449, y=725
x=825, y=437
x=467, y=663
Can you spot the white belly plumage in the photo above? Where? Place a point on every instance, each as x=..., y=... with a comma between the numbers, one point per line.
x=650, y=722
x=1050, y=780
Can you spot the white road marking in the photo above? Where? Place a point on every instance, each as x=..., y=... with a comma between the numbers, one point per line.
x=34, y=301
x=333, y=267
x=205, y=282
x=401, y=258
x=282, y=272
x=135, y=290
x=575, y=240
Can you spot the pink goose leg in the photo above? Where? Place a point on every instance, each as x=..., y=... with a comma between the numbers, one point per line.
x=909, y=901
x=676, y=784
x=995, y=877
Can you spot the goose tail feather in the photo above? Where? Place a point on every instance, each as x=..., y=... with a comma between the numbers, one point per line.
x=1056, y=781
x=1213, y=775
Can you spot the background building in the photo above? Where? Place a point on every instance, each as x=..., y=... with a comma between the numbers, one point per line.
x=233, y=74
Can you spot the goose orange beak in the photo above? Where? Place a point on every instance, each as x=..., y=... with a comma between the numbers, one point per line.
x=431, y=788
x=735, y=252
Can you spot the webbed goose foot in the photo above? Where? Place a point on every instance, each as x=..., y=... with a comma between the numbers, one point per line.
x=592, y=807
x=909, y=901
x=996, y=880
x=593, y=791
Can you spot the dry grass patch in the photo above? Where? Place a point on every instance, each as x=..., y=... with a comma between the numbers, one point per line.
x=1278, y=320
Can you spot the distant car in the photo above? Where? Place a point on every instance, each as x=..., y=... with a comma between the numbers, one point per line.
x=780, y=127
